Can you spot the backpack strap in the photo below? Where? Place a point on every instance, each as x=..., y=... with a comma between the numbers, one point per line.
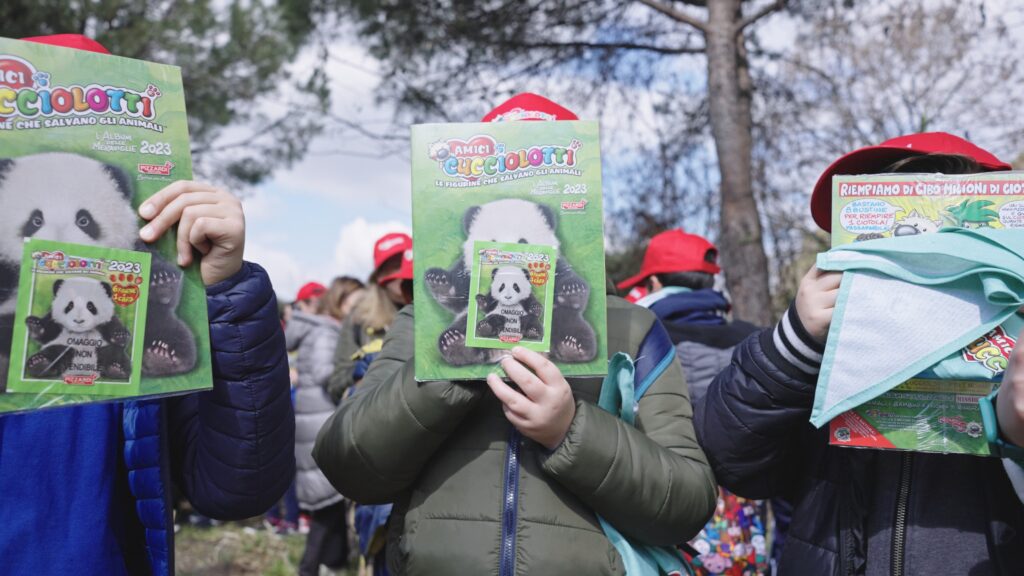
x=619, y=396
x=654, y=356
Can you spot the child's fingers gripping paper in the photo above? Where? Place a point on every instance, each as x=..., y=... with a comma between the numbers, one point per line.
x=532, y=386
x=545, y=369
x=513, y=401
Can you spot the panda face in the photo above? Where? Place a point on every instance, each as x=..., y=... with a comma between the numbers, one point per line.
x=63, y=197
x=510, y=285
x=81, y=304
x=509, y=220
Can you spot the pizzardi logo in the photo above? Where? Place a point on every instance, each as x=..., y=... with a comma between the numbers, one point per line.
x=991, y=350
x=484, y=157
x=80, y=379
x=157, y=169
x=28, y=93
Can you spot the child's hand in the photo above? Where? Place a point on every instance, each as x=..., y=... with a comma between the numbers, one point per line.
x=1010, y=400
x=209, y=220
x=545, y=408
x=816, y=300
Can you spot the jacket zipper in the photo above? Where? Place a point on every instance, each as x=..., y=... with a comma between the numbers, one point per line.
x=899, y=531
x=510, y=506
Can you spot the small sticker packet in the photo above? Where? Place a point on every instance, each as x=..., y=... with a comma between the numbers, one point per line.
x=80, y=320
x=512, y=290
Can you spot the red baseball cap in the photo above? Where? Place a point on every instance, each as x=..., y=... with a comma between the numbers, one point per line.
x=76, y=41
x=528, y=106
x=310, y=290
x=389, y=245
x=674, y=251
x=874, y=159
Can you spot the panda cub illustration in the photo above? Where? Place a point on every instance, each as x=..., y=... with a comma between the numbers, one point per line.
x=81, y=334
x=512, y=312
x=71, y=198
x=512, y=220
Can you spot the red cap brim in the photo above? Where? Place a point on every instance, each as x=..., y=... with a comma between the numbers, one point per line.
x=405, y=272
x=633, y=280
x=76, y=41
x=707, y=268
x=863, y=161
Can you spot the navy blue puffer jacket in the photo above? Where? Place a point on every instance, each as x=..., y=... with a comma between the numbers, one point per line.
x=230, y=450
x=855, y=511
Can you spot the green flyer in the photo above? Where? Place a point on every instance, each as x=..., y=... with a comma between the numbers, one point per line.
x=80, y=316
x=87, y=138
x=499, y=206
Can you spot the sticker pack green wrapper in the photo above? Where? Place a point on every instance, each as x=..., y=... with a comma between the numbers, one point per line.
x=513, y=292
x=79, y=330
x=535, y=184
x=931, y=413
x=86, y=138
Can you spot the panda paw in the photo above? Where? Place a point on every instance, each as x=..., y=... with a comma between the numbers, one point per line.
x=484, y=329
x=570, y=349
x=35, y=327
x=572, y=294
x=40, y=365
x=117, y=371
x=119, y=336
x=164, y=285
x=452, y=345
x=160, y=358
x=34, y=364
x=439, y=282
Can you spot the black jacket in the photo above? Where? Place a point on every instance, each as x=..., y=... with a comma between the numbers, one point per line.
x=962, y=515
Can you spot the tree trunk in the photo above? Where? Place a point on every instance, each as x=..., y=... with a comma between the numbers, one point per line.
x=729, y=91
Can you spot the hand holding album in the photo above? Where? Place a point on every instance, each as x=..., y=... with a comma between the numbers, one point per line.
x=546, y=407
x=816, y=300
x=209, y=220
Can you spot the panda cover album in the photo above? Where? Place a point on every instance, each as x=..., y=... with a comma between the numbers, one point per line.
x=88, y=312
x=509, y=246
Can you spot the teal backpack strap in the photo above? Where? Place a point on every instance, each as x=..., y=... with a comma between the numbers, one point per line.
x=617, y=389
x=618, y=397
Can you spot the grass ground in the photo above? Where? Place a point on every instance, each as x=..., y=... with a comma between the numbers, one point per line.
x=238, y=549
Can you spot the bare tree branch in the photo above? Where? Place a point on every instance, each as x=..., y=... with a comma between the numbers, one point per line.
x=765, y=11
x=611, y=46
x=676, y=15
x=361, y=129
x=221, y=147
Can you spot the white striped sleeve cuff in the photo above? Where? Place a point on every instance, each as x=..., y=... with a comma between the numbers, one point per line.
x=793, y=344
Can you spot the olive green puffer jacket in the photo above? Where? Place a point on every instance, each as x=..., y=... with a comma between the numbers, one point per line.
x=472, y=496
